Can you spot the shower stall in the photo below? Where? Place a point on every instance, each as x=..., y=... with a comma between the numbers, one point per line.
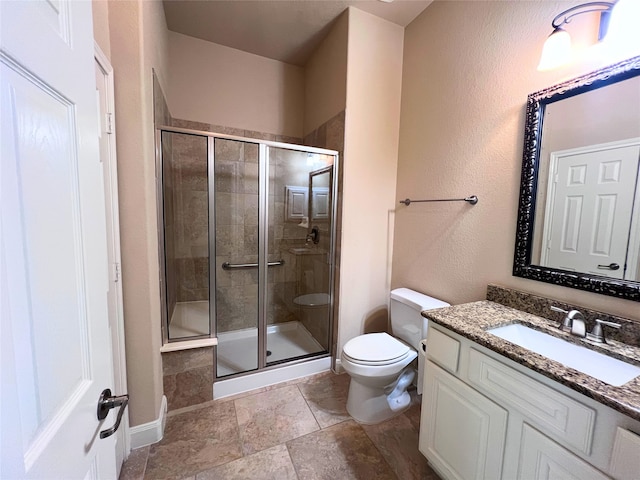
x=248, y=244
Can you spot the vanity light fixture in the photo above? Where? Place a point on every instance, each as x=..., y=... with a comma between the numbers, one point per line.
x=556, y=50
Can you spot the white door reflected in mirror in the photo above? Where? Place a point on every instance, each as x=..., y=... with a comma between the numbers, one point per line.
x=590, y=221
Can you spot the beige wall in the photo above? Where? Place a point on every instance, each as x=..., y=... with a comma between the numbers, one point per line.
x=138, y=43
x=325, y=77
x=100, y=10
x=468, y=68
x=214, y=84
x=374, y=78
x=568, y=124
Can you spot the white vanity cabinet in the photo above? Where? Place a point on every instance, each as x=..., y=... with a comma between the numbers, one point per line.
x=541, y=458
x=487, y=417
x=464, y=430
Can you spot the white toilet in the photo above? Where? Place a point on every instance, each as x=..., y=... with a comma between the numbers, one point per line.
x=381, y=366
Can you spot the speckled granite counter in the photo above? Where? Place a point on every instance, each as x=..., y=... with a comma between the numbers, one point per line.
x=471, y=320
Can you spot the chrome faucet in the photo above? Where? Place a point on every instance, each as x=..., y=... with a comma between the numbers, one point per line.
x=573, y=322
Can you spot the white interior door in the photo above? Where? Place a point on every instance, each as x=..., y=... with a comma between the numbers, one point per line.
x=56, y=357
x=590, y=210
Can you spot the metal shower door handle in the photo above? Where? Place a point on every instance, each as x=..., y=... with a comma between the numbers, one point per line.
x=105, y=403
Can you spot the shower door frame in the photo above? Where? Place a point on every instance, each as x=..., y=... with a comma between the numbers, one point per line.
x=263, y=222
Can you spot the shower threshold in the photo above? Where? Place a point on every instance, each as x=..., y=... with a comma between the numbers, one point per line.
x=237, y=352
x=264, y=378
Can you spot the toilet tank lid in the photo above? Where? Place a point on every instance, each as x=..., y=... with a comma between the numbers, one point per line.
x=417, y=300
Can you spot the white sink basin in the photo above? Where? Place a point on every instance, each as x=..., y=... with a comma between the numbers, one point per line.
x=608, y=369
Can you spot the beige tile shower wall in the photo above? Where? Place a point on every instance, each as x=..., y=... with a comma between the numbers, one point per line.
x=188, y=377
x=236, y=186
x=463, y=110
x=287, y=168
x=191, y=232
x=236, y=225
x=169, y=198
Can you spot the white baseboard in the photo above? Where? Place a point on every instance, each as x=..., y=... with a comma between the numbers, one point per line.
x=148, y=433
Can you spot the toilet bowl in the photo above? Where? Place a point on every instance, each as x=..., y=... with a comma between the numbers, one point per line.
x=374, y=362
x=382, y=366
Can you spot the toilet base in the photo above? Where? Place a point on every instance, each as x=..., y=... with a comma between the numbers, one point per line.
x=368, y=405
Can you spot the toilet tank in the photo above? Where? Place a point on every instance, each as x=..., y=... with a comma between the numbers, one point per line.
x=407, y=323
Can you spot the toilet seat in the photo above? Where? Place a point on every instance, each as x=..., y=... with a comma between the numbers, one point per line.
x=375, y=363
x=376, y=349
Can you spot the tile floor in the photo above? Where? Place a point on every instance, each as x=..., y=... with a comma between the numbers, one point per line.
x=296, y=430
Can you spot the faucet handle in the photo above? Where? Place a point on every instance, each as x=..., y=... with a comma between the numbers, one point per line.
x=565, y=325
x=558, y=309
x=597, y=334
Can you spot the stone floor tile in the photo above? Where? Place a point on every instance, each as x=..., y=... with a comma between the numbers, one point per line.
x=342, y=451
x=413, y=412
x=273, y=417
x=397, y=440
x=327, y=398
x=133, y=467
x=195, y=441
x=271, y=464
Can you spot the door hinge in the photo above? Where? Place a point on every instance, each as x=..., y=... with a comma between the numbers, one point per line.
x=109, y=123
x=116, y=272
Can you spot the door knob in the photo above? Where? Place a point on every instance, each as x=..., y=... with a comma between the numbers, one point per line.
x=105, y=403
x=611, y=266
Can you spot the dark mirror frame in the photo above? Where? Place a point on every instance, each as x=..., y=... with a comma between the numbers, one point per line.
x=536, y=103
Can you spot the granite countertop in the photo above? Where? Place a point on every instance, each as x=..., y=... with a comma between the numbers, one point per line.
x=471, y=320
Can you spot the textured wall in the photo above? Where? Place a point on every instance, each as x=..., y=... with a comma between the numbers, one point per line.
x=325, y=77
x=219, y=85
x=468, y=68
x=100, y=11
x=372, y=120
x=138, y=40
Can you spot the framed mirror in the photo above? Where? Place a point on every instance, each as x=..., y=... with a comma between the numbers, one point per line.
x=579, y=210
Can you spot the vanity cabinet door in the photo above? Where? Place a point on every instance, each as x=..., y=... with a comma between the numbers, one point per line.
x=543, y=459
x=462, y=432
x=625, y=458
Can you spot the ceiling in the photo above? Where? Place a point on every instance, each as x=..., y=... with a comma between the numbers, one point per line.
x=284, y=30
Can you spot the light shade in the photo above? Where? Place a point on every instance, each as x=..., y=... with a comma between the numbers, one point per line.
x=623, y=34
x=556, y=50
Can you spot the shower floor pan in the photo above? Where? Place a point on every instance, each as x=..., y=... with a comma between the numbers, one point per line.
x=237, y=350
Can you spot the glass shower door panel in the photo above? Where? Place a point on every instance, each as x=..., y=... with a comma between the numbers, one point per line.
x=236, y=175
x=186, y=234
x=297, y=296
